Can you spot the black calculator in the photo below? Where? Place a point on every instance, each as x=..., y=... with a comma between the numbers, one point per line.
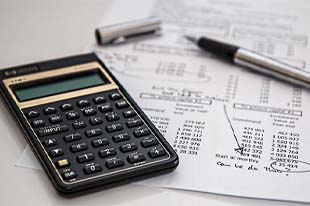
x=83, y=126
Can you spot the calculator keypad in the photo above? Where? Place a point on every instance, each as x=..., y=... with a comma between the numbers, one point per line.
x=94, y=135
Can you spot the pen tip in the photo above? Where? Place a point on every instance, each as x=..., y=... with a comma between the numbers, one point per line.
x=191, y=38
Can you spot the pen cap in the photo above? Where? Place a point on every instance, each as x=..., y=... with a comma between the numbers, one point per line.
x=122, y=32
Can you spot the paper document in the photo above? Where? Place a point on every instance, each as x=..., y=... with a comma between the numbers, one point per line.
x=236, y=132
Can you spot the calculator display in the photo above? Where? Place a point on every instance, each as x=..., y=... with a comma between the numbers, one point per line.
x=60, y=85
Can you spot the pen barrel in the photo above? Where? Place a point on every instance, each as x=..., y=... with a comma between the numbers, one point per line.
x=270, y=66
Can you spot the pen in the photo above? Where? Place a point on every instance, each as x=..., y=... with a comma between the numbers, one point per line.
x=253, y=60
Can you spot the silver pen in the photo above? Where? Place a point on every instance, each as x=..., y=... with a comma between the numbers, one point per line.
x=253, y=60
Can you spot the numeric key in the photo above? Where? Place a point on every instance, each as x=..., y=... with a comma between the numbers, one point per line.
x=72, y=137
x=78, y=147
x=85, y=157
x=121, y=137
x=100, y=142
x=114, y=128
x=93, y=132
x=128, y=147
x=107, y=152
x=92, y=168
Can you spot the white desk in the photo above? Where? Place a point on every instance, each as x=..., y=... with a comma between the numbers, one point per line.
x=34, y=30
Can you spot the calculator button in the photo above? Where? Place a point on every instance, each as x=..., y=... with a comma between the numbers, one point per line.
x=112, y=117
x=96, y=120
x=78, y=124
x=134, y=158
x=115, y=96
x=72, y=137
x=106, y=107
x=134, y=122
x=121, y=137
x=50, y=110
x=89, y=112
x=32, y=114
x=149, y=141
x=72, y=115
x=55, y=119
x=85, y=157
x=107, y=152
x=113, y=163
x=114, y=127
x=93, y=132
x=157, y=152
x=129, y=113
x=78, y=147
x=141, y=132
x=52, y=130
x=92, y=168
x=68, y=175
x=121, y=104
x=62, y=163
x=99, y=100
x=49, y=142
x=38, y=123
x=56, y=152
x=66, y=107
x=83, y=103
x=128, y=147
x=100, y=142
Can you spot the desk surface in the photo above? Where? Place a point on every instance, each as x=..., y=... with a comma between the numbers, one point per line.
x=34, y=30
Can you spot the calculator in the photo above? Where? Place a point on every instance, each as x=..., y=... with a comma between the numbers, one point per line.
x=83, y=126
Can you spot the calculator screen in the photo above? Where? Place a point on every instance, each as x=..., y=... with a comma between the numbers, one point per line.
x=59, y=85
